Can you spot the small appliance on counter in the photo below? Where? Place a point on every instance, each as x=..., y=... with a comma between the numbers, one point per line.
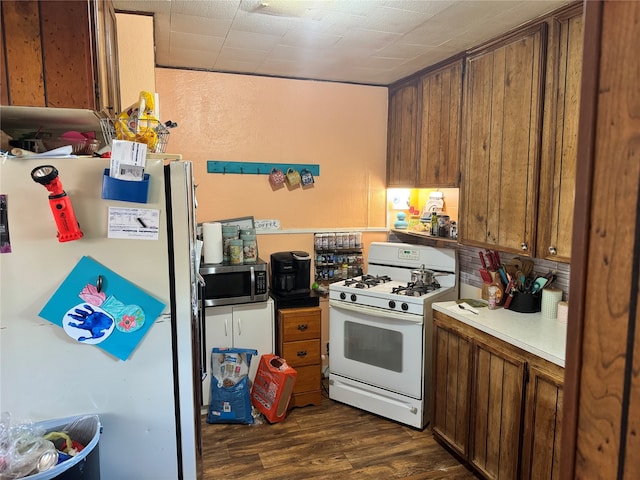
x=290, y=273
x=230, y=284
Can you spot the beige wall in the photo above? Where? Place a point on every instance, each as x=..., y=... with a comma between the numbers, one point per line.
x=241, y=118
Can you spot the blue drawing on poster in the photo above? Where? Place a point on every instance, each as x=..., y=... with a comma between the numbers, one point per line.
x=83, y=320
x=112, y=314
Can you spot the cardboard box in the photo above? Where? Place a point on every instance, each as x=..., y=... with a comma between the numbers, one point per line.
x=272, y=387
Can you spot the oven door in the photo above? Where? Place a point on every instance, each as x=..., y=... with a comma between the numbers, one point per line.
x=377, y=347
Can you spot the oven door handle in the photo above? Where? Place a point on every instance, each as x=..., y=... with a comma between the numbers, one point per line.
x=407, y=318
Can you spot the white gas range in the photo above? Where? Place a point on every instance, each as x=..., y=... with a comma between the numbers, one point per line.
x=381, y=328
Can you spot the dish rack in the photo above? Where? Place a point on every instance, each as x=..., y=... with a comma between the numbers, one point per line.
x=151, y=132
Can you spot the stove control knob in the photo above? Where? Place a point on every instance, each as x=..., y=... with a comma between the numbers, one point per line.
x=392, y=304
x=404, y=307
x=353, y=297
x=343, y=296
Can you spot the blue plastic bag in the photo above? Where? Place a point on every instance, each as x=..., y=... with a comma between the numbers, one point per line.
x=230, y=388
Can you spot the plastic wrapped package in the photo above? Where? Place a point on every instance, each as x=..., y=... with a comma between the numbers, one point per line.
x=230, y=388
x=26, y=452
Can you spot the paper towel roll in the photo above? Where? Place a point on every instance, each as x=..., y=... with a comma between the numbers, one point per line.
x=550, y=299
x=212, y=238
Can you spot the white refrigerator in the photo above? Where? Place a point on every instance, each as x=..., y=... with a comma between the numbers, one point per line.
x=148, y=403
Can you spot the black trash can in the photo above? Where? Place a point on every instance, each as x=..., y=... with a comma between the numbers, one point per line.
x=86, y=430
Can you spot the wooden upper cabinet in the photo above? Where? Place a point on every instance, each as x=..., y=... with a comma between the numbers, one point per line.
x=559, y=157
x=60, y=54
x=424, y=128
x=402, y=135
x=502, y=128
x=440, y=124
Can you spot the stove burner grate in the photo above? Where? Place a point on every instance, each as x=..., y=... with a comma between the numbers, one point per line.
x=366, y=281
x=416, y=289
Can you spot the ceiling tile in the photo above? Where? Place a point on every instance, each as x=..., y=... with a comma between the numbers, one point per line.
x=373, y=42
x=200, y=43
x=200, y=25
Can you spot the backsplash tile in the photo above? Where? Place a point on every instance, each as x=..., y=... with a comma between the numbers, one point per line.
x=469, y=263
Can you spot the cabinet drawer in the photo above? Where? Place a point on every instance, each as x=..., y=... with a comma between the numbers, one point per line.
x=299, y=324
x=306, y=352
x=308, y=379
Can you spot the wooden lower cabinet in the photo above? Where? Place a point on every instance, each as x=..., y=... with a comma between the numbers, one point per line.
x=495, y=405
x=496, y=410
x=451, y=389
x=543, y=423
x=299, y=345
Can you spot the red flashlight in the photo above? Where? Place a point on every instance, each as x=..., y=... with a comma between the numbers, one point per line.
x=60, y=203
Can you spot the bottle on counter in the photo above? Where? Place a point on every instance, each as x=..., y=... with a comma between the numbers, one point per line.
x=434, y=224
x=493, y=290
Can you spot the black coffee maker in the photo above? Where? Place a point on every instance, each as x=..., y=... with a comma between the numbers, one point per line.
x=290, y=273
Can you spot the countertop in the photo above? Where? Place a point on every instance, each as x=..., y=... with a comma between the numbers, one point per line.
x=531, y=332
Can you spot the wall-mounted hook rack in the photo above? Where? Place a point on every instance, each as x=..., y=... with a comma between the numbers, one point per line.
x=256, y=168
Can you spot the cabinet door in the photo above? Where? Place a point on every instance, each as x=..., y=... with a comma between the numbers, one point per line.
x=497, y=402
x=106, y=61
x=560, y=137
x=440, y=124
x=402, y=136
x=451, y=385
x=253, y=328
x=60, y=54
x=218, y=333
x=502, y=133
x=543, y=424
x=23, y=54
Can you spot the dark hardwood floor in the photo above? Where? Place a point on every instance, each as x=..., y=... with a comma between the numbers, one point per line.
x=329, y=441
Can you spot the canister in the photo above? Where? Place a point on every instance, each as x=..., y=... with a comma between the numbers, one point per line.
x=229, y=232
x=249, y=248
x=235, y=252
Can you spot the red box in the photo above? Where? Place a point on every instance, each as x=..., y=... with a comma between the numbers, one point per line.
x=272, y=387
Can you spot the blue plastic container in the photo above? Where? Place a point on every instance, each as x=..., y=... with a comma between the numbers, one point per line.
x=125, y=190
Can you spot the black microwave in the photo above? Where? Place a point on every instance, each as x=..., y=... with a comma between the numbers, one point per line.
x=227, y=284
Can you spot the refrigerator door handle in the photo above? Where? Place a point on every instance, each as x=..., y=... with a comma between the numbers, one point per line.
x=253, y=283
x=203, y=326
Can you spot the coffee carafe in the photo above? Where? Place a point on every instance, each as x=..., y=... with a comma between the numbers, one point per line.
x=290, y=273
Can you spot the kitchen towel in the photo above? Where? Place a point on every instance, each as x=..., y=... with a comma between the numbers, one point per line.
x=550, y=299
x=212, y=238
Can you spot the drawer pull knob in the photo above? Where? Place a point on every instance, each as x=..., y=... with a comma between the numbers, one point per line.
x=302, y=327
x=302, y=353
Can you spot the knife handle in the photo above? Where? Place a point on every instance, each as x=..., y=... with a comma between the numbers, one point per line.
x=484, y=262
x=507, y=302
